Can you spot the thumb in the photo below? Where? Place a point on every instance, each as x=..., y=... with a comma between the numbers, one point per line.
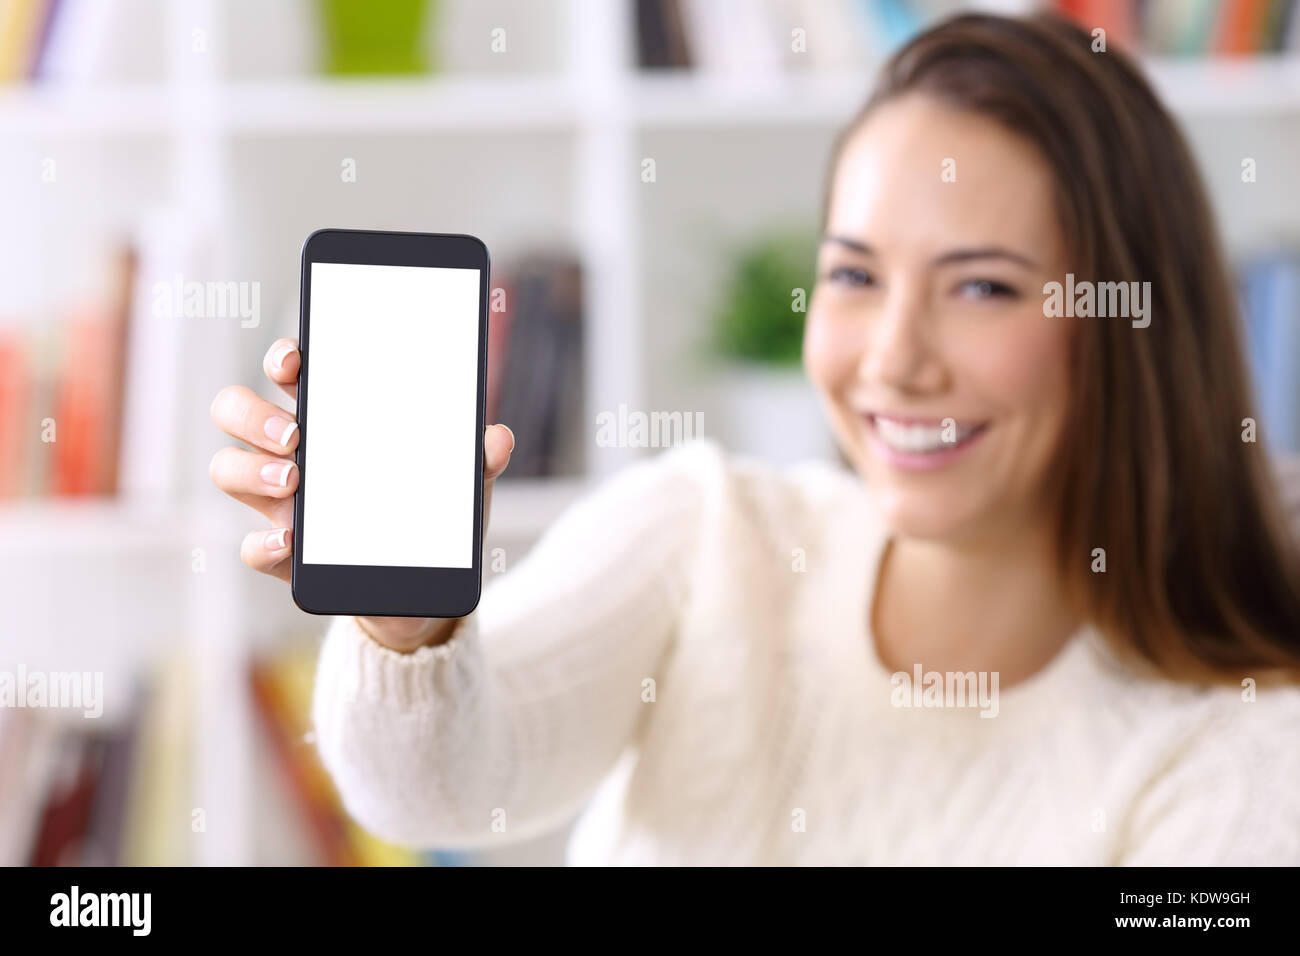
x=498, y=443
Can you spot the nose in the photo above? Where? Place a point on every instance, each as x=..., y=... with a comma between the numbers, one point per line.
x=898, y=352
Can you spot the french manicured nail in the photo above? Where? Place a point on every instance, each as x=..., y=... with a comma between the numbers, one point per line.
x=512, y=436
x=279, y=355
x=277, y=540
x=280, y=430
x=277, y=473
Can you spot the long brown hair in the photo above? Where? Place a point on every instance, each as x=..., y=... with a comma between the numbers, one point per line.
x=1202, y=578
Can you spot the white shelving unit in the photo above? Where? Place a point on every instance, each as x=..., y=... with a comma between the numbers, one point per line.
x=237, y=149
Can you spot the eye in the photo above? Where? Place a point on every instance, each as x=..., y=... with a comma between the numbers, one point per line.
x=850, y=275
x=987, y=289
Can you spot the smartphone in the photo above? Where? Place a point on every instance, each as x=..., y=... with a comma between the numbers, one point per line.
x=388, y=515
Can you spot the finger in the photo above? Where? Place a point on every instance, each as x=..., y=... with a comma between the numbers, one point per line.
x=277, y=511
x=268, y=552
x=235, y=470
x=282, y=364
x=498, y=443
x=242, y=413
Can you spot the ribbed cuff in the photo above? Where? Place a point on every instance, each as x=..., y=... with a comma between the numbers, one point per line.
x=367, y=670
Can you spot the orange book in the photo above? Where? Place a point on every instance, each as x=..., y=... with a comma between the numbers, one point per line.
x=15, y=398
x=310, y=782
x=78, y=407
x=1241, y=23
x=88, y=403
x=1117, y=17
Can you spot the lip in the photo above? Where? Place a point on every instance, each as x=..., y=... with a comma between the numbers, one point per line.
x=918, y=461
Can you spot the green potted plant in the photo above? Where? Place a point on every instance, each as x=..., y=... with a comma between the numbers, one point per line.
x=760, y=320
x=369, y=37
x=769, y=409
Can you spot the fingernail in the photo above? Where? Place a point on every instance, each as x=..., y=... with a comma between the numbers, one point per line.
x=512, y=436
x=279, y=355
x=276, y=473
x=280, y=429
x=276, y=541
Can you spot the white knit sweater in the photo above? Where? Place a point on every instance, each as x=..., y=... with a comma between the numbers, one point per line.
x=687, y=654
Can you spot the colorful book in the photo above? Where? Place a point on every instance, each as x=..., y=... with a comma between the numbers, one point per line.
x=70, y=802
x=542, y=391
x=282, y=692
x=159, y=824
x=15, y=398
x=1240, y=25
x=498, y=346
x=21, y=25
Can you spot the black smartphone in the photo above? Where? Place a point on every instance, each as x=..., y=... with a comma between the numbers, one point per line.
x=388, y=516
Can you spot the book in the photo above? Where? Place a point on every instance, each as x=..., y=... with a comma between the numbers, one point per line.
x=661, y=35
x=733, y=37
x=168, y=249
x=1119, y=18
x=70, y=801
x=27, y=754
x=89, y=402
x=21, y=24
x=158, y=828
x=103, y=842
x=498, y=346
x=310, y=784
x=542, y=392
x=1239, y=27
x=15, y=414
x=282, y=691
x=75, y=42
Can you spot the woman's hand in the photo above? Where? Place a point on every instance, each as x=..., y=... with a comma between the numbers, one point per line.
x=266, y=478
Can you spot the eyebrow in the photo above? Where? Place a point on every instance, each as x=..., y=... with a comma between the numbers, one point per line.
x=947, y=258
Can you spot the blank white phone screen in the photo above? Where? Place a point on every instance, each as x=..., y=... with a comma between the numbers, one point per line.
x=392, y=399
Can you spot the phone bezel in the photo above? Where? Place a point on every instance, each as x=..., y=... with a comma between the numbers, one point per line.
x=388, y=591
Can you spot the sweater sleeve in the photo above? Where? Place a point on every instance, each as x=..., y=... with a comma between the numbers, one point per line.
x=505, y=730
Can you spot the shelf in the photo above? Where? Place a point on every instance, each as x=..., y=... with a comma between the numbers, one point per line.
x=683, y=99
x=43, y=525
x=307, y=105
x=1256, y=85
x=521, y=511
x=1188, y=86
x=383, y=105
x=76, y=110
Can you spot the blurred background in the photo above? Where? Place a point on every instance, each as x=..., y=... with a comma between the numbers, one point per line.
x=647, y=175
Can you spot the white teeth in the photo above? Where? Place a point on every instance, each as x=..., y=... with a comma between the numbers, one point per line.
x=920, y=437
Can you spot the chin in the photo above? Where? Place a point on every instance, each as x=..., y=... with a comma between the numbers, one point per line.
x=922, y=516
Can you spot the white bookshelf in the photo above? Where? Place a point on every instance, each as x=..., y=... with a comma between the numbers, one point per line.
x=292, y=106
x=251, y=143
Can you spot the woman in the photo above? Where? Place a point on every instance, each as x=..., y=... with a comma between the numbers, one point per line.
x=1055, y=524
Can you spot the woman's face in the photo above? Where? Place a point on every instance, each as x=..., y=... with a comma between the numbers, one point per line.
x=945, y=384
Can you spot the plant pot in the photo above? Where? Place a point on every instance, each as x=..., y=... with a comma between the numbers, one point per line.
x=364, y=37
x=770, y=413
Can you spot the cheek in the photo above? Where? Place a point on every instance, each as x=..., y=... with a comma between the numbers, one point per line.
x=1024, y=372
x=830, y=348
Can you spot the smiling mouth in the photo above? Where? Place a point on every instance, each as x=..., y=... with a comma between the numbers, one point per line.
x=923, y=436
